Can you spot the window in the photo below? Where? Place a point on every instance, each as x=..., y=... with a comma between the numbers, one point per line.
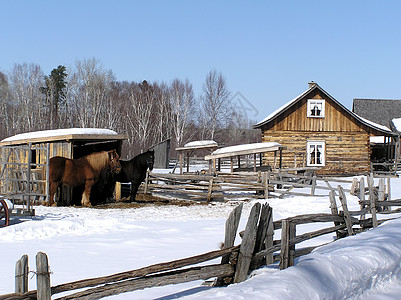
x=316, y=152
x=315, y=108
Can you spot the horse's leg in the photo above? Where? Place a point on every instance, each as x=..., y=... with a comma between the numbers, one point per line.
x=87, y=192
x=52, y=189
x=134, y=189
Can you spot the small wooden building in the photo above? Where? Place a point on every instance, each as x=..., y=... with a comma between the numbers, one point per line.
x=318, y=131
x=24, y=159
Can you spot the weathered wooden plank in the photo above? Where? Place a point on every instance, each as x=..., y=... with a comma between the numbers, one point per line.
x=161, y=267
x=347, y=217
x=247, y=245
x=21, y=275
x=231, y=229
x=42, y=277
x=196, y=273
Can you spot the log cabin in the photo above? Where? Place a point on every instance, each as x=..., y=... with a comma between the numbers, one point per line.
x=318, y=131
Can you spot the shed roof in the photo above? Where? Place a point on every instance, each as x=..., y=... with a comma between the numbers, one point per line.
x=244, y=149
x=194, y=145
x=378, y=128
x=380, y=111
x=93, y=134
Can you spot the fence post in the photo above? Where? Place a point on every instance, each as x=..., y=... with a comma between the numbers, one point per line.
x=287, y=251
x=261, y=235
x=372, y=201
x=313, y=187
x=266, y=182
x=347, y=217
x=334, y=209
x=210, y=190
x=269, y=238
x=21, y=275
x=381, y=193
x=229, y=239
x=247, y=245
x=42, y=277
x=146, y=183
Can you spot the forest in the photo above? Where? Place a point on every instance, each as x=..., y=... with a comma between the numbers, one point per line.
x=88, y=96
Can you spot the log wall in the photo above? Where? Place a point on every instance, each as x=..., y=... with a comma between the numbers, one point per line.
x=346, y=152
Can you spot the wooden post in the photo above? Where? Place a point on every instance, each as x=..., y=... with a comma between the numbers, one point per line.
x=239, y=162
x=219, y=164
x=381, y=192
x=354, y=186
x=388, y=189
x=334, y=209
x=313, y=187
x=232, y=164
x=372, y=201
x=210, y=190
x=42, y=277
x=247, y=245
x=362, y=189
x=254, y=162
x=181, y=161
x=21, y=275
x=269, y=238
x=146, y=183
x=287, y=251
x=229, y=238
x=118, y=191
x=347, y=217
x=266, y=182
x=261, y=235
x=187, y=161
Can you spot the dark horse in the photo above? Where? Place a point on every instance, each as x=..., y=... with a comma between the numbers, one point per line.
x=83, y=171
x=134, y=170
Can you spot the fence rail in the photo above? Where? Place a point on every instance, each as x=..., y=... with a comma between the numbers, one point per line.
x=257, y=248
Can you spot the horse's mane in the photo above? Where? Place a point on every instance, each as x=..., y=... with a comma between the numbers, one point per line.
x=98, y=160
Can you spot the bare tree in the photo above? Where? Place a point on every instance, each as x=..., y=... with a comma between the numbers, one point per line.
x=140, y=115
x=28, y=109
x=182, y=101
x=91, y=93
x=4, y=106
x=215, y=103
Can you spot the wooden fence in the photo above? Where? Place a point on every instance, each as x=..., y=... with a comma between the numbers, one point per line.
x=235, y=186
x=257, y=248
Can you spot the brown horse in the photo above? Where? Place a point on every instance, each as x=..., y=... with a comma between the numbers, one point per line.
x=82, y=171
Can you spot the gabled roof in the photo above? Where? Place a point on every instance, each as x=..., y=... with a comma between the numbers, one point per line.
x=313, y=86
x=380, y=111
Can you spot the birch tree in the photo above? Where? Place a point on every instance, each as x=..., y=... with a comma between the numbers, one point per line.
x=215, y=103
x=182, y=101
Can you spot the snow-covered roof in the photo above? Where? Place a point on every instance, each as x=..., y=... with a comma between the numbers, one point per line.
x=198, y=145
x=397, y=124
x=243, y=149
x=283, y=108
x=62, y=134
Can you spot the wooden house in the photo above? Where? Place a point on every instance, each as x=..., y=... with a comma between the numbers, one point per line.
x=386, y=112
x=23, y=158
x=318, y=131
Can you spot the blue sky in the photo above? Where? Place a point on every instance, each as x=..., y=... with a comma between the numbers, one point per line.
x=267, y=50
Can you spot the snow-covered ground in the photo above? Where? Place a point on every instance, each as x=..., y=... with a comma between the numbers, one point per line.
x=91, y=242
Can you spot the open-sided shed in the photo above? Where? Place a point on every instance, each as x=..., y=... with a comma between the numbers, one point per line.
x=24, y=159
x=246, y=149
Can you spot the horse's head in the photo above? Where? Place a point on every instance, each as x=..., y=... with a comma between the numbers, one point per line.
x=150, y=159
x=114, y=162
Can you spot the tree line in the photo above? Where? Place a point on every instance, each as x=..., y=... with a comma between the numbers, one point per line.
x=89, y=96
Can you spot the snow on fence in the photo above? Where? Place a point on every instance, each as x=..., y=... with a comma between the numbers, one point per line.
x=256, y=249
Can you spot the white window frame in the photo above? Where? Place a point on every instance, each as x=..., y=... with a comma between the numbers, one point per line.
x=311, y=146
x=316, y=102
